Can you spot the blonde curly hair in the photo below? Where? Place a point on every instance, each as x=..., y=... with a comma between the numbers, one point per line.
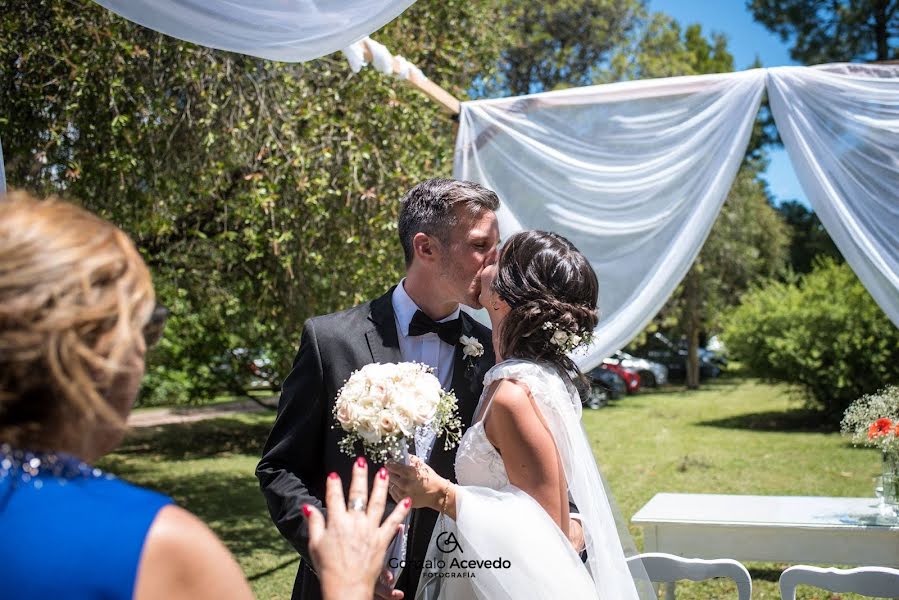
x=74, y=298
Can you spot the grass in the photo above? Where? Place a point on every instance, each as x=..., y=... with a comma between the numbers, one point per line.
x=733, y=436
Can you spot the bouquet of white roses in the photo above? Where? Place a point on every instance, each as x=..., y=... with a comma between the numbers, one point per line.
x=381, y=406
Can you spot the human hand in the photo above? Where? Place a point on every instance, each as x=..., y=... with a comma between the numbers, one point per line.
x=576, y=535
x=417, y=481
x=348, y=551
x=384, y=588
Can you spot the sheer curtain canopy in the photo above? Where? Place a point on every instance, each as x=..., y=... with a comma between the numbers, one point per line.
x=285, y=30
x=840, y=126
x=633, y=173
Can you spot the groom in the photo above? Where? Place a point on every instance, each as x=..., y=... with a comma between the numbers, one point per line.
x=449, y=233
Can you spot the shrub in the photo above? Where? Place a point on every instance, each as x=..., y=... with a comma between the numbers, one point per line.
x=823, y=332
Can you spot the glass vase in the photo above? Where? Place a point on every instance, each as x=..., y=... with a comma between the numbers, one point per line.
x=890, y=481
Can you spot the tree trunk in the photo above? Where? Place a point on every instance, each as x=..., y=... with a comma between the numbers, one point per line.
x=881, y=34
x=692, y=321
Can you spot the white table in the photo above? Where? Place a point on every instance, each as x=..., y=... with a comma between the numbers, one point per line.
x=789, y=529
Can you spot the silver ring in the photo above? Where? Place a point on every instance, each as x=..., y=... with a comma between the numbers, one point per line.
x=357, y=503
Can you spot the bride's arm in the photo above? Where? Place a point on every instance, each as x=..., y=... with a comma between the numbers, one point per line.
x=516, y=428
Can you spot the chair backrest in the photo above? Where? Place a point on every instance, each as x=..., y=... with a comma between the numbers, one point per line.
x=668, y=568
x=877, y=582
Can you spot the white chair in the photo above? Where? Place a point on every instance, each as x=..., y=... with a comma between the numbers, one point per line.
x=877, y=582
x=668, y=569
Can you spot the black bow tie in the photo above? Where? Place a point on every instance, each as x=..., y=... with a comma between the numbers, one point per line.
x=448, y=331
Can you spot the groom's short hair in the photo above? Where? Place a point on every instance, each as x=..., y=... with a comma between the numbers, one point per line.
x=435, y=207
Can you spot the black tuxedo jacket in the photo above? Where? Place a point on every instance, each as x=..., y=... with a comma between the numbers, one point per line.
x=302, y=447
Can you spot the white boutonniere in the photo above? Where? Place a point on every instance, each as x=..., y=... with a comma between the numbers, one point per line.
x=471, y=347
x=471, y=350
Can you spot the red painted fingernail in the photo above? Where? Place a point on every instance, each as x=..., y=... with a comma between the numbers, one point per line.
x=307, y=510
x=360, y=462
x=407, y=502
x=333, y=476
x=382, y=473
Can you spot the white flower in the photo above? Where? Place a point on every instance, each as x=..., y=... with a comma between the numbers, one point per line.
x=346, y=415
x=471, y=346
x=381, y=405
x=559, y=338
x=387, y=423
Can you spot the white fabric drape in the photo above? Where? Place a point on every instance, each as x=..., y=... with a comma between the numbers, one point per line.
x=633, y=173
x=285, y=30
x=840, y=126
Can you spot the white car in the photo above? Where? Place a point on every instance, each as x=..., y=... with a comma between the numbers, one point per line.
x=651, y=373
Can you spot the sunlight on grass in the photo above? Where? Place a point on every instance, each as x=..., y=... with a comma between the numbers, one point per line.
x=733, y=436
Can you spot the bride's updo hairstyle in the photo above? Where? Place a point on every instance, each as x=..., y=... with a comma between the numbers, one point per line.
x=74, y=298
x=545, y=280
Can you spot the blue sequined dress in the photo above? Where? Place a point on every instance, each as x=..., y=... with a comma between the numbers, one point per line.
x=69, y=531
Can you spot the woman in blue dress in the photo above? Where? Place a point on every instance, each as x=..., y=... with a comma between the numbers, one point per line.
x=77, y=314
x=76, y=303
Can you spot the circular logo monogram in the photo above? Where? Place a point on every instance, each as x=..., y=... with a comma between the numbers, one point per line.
x=447, y=542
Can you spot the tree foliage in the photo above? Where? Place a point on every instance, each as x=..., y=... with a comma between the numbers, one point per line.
x=809, y=239
x=833, y=30
x=823, y=332
x=562, y=44
x=260, y=193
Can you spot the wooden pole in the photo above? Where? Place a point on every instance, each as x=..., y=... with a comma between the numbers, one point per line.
x=447, y=101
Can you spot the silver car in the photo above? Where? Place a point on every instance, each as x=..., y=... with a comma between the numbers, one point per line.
x=651, y=373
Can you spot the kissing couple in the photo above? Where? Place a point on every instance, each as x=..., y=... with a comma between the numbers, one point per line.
x=519, y=508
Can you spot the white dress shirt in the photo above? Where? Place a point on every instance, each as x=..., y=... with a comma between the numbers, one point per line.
x=428, y=349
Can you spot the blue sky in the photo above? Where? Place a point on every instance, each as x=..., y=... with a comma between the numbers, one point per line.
x=746, y=41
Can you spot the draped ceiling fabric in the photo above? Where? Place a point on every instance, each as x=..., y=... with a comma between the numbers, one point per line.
x=633, y=173
x=840, y=125
x=285, y=30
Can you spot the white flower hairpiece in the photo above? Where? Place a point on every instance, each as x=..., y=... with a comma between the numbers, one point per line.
x=567, y=340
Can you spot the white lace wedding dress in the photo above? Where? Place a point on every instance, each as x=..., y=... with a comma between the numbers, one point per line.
x=502, y=543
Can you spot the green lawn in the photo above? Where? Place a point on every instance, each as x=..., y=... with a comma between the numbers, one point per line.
x=733, y=436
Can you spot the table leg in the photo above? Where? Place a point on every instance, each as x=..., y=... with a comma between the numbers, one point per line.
x=669, y=590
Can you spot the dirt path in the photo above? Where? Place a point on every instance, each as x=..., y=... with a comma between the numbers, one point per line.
x=167, y=416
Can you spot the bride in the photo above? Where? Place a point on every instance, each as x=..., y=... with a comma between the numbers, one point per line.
x=503, y=532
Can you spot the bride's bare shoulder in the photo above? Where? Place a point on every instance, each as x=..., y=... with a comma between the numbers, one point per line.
x=512, y=409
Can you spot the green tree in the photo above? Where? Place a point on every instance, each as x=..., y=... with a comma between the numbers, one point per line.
x=560, y=44
x=833, y=31
x=834, y=346
x=809, y=238
x=260, y=193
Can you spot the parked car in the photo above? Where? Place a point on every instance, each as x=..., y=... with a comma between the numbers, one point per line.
x=631, y=378
x=605, y=383
x=717, y=351
x=660, y=349
x=252, y=369
x=651, y=373
x=593, y=395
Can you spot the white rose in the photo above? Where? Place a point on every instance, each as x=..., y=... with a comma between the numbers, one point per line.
x=575, y=339
x=425, y=407
x=559, y=338
x=387, y=423
x=378, y=394
x=471, y=346
x=405, y=423
x=346, y=415
x=368, y=428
